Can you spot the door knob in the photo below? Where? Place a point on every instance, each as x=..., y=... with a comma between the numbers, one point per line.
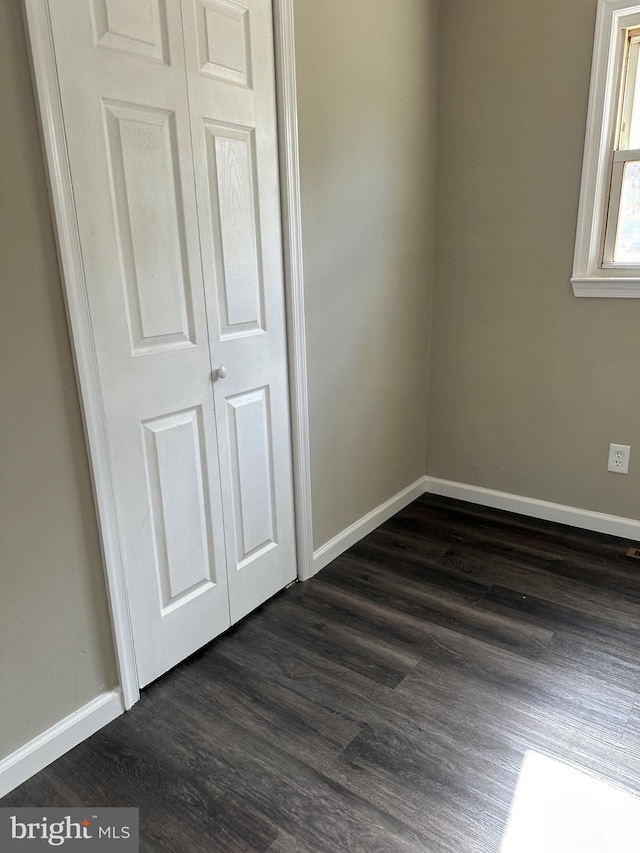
x=221, y=371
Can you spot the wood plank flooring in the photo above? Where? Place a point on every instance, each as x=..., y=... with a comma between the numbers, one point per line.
x=387, y=704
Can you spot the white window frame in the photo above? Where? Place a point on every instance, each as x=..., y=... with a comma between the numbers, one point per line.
x=592, y=276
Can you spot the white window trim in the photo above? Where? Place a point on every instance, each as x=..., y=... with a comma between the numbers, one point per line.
x=589, y=277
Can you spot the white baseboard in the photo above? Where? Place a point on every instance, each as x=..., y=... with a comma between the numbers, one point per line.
x=359, y=529
x=52, y=744
x=600, y=522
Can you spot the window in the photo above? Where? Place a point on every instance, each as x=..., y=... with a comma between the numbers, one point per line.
x=607, y=255
x=622, y=234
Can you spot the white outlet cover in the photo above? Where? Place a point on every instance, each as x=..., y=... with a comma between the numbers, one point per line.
x=619, y=458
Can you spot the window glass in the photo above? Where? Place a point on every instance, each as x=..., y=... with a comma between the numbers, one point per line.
x=627, y=249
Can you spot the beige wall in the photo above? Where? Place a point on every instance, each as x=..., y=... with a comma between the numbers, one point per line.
x=366, y=89
x=529, y=385
x=55, y=641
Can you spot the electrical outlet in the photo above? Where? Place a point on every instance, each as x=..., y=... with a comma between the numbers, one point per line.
x=619, y=458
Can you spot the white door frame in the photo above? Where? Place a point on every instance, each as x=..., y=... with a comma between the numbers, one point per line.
x=39, y=29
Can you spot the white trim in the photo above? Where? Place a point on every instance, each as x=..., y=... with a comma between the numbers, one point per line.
x=286, y=97
x=361, y=528
x=56, y=160
x=65, y=735
x=70, y=258
x=600, y=522
x=588, y=277
x=606, y=288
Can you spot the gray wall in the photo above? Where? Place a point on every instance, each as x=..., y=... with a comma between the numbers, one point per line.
x=55, y=641
x=366, y=89
x=529, y=385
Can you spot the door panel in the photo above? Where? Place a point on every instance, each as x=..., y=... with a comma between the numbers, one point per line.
x=146, y=195
x=223, y=41
x=233, y=203
x=138, y=27
x=251, y=444
x=236, y=170
x=174, y=454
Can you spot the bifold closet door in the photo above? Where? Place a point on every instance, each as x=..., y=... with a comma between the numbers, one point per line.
x=230, y=72
x=153, y=265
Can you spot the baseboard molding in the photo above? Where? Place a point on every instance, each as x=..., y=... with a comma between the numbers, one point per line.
x=53, y=743
x=359, y=529
x=600, y=522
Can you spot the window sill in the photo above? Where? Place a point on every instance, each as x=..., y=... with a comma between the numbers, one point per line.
x=607, y=288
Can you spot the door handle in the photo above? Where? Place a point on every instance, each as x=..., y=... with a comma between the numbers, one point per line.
x=221, y=372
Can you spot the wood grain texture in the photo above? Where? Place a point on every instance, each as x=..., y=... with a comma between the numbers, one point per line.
x=387, y=704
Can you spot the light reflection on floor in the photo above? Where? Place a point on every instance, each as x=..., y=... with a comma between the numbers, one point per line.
x=557, y=809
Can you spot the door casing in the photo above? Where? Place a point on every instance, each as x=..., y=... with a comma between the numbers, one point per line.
x=38, y=26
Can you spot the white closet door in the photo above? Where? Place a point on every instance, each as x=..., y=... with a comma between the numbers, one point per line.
x=171, y=126
x=122, y=77
x=230, y=73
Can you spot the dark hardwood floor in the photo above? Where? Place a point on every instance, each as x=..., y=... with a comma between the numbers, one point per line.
x=386, y=705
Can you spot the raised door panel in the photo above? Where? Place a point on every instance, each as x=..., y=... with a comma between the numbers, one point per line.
x=251, y=455
x=235, y=229
x=175, y=457
x=136, y=27
x=146, y=191
x=224, y=49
